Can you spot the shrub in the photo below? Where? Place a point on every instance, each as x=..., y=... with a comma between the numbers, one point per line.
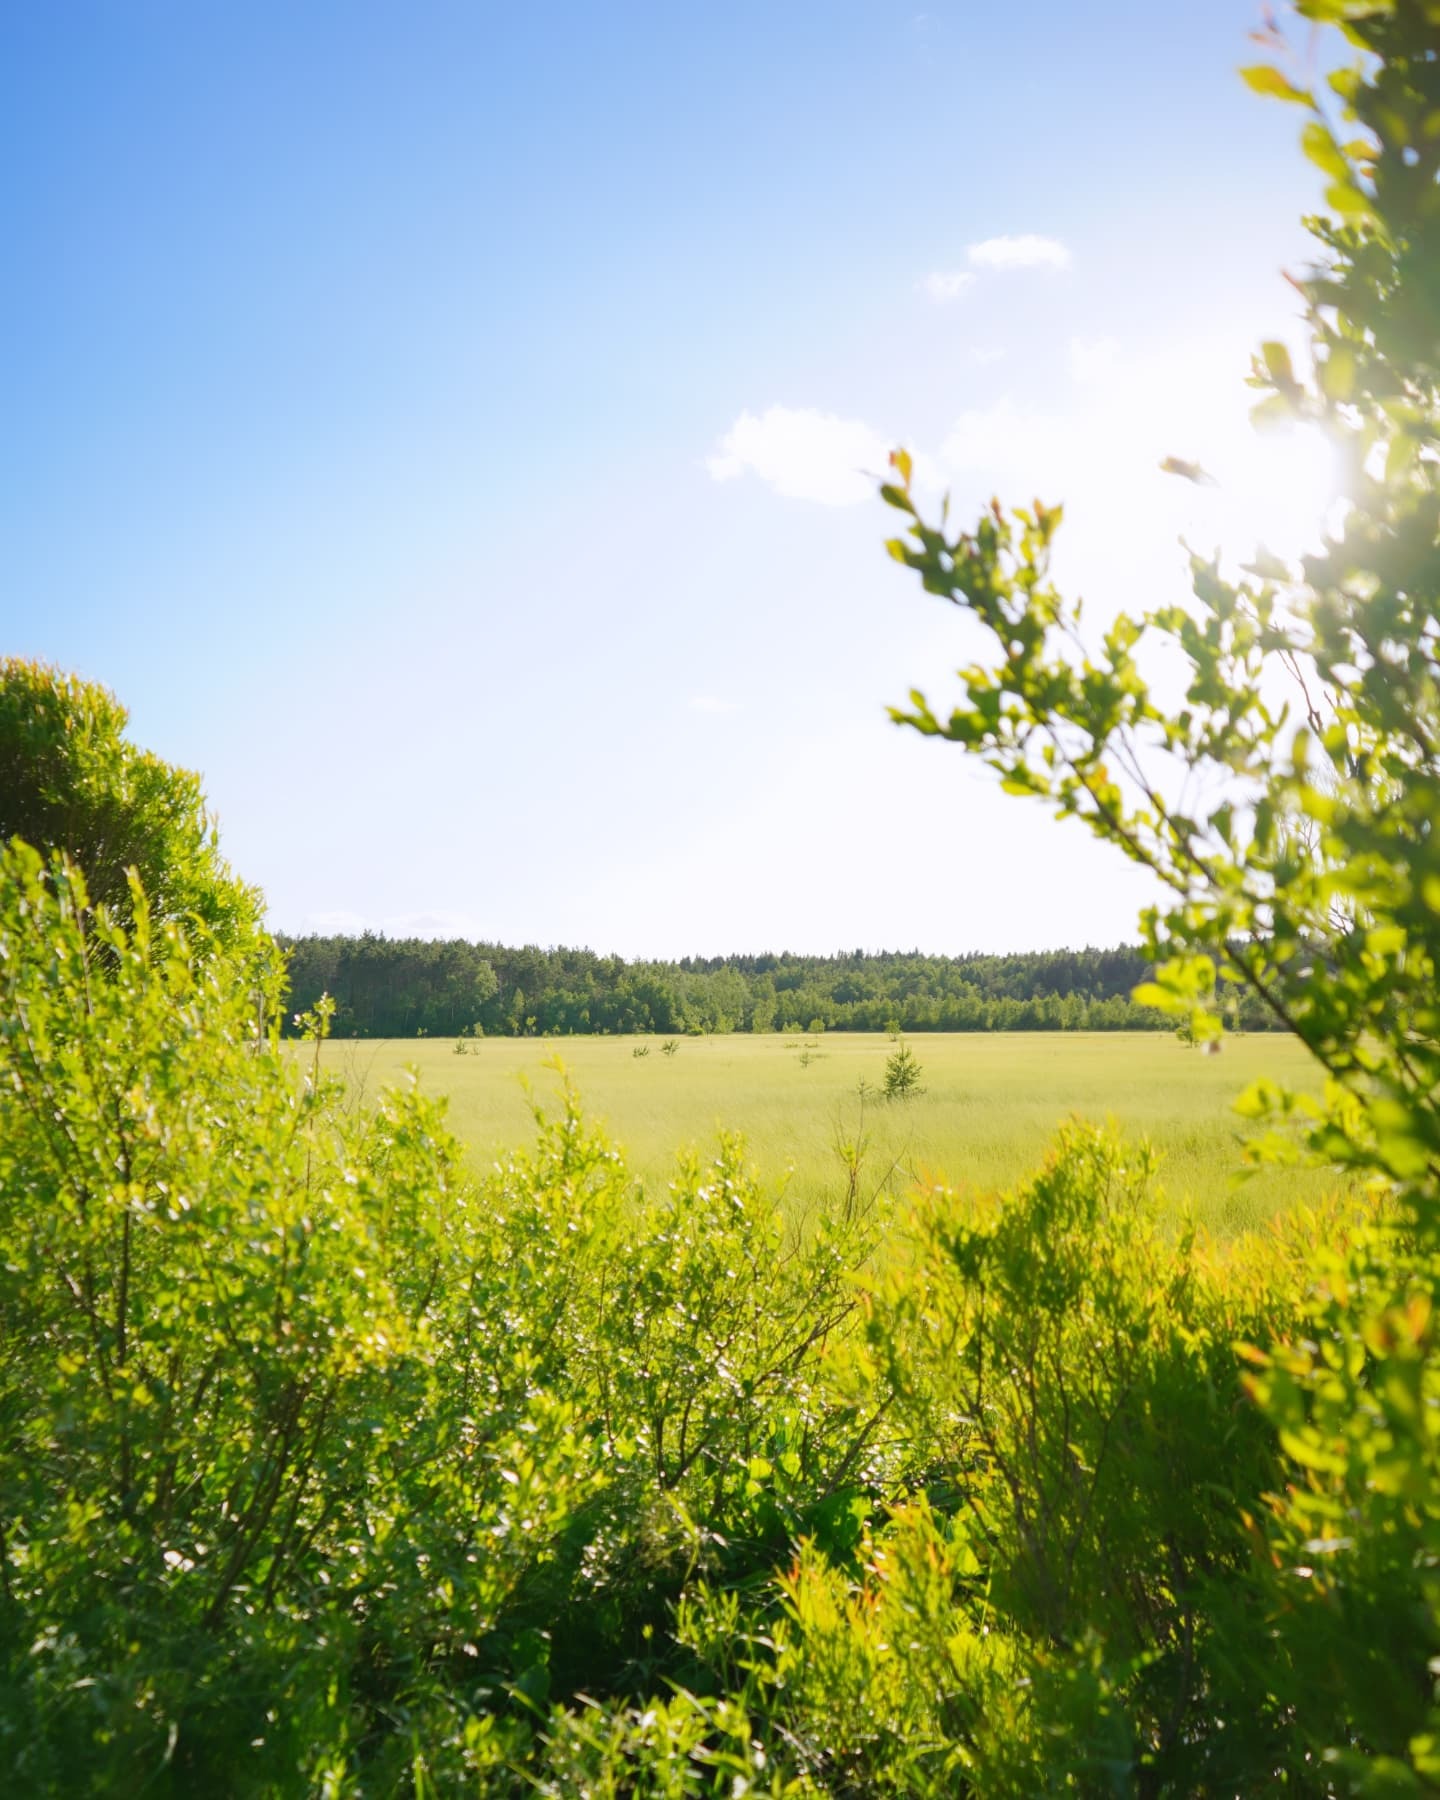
x=1073, y=1461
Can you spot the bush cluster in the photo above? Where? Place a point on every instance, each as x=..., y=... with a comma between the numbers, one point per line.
x=326, y=1469
x=322, y=1465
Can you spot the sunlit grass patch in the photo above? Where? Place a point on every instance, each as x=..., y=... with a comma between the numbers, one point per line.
x=990, y=1107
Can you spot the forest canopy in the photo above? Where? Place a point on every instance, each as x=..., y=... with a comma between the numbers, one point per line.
x=402, y=987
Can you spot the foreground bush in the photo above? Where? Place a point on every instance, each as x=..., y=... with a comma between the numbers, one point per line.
x=257, y=1469
x=324, y=1469
x=315, y=1459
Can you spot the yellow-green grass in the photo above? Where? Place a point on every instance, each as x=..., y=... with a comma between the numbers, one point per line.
x=991, y=1104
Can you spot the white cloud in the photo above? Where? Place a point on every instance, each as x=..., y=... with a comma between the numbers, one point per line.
x=984, y=356
x=1025, y=252
x=804, y=454
x=713, y=704
x=947, y=284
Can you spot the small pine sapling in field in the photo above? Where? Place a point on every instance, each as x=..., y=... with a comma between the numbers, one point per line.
x=902, y=1074
x=669, y=1047
x=641, y=1050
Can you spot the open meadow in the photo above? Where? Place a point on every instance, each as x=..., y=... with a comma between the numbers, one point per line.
x=990, y=1106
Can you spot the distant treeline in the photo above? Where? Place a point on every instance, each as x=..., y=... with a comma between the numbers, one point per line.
x=406, y=987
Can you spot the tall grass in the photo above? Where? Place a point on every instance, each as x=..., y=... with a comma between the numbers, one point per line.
x=989, y=1110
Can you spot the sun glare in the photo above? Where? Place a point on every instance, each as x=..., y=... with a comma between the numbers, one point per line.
x=1279, y=490
x=1276, y=487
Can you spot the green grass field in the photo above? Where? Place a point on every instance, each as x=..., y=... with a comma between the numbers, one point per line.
x=990, y=1107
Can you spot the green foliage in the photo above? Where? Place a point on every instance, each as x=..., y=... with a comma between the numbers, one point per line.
x=1062, y=1409
x=1308, y=879
x=321, y=1466
x=71, y=780
x=902, y=1074
x=253, y=1439
x=324, y=1469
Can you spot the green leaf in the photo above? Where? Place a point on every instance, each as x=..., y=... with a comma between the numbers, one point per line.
x=1278, y=364
x=1401, y=455
x=1307, y=1449
x=1347, y=200
x=1323, y=151
x=1337, y=373
x=1266, y=79
x=1187, y=471
x=1150, y=993
x=1259, y=1100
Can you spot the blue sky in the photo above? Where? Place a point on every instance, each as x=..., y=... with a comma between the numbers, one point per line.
x=440, y=425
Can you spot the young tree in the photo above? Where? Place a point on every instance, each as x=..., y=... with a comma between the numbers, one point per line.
x=902, y=1074
x=1312, y=881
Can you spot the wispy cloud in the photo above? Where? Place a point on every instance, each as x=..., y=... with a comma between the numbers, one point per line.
x=946, y=284
x=803, y=454
x=713, y=705
x=1024, y=252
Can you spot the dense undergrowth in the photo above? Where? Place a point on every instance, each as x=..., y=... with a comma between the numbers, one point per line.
x=326, y=1470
